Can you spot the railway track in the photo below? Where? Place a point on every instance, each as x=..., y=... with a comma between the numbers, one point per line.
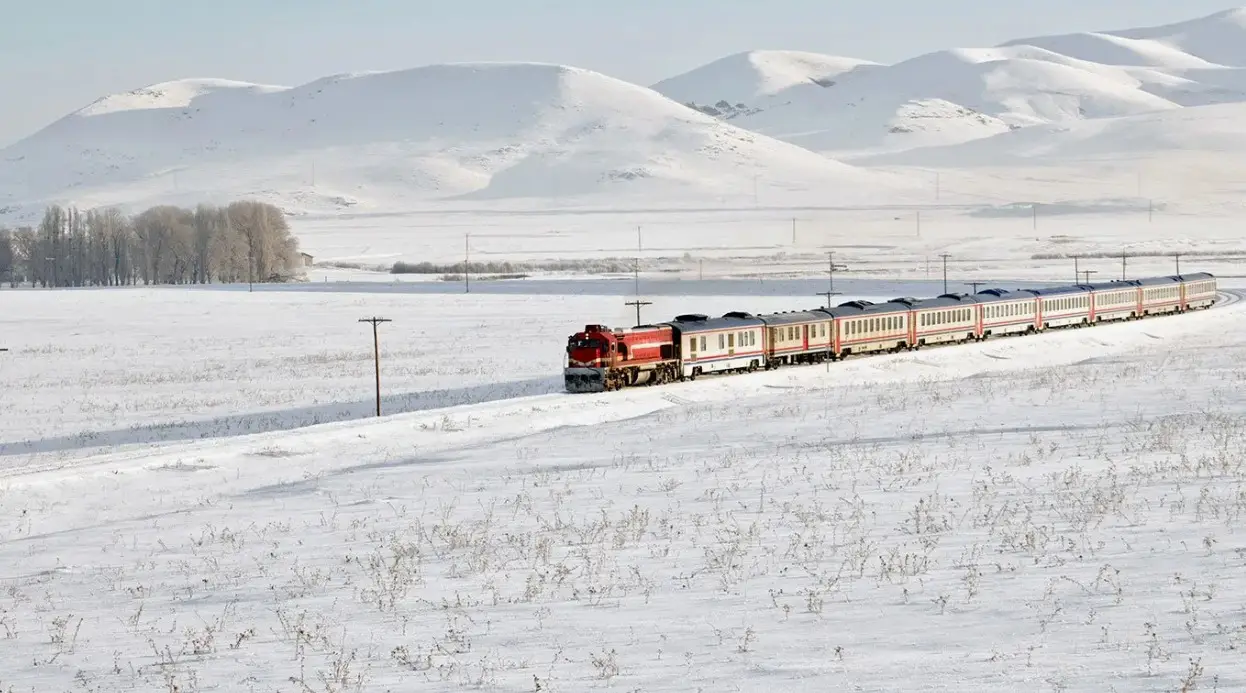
x=1227, y=297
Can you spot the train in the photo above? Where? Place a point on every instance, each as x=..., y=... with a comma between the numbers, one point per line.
x=602, y=359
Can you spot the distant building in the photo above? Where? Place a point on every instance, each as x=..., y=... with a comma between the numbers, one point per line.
x=308, y=260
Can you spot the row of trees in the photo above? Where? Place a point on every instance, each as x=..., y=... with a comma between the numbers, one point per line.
x=245, y=241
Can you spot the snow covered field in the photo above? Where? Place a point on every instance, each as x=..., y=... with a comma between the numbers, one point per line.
x=1056, y=512
x=194, y=495
x=91, y=369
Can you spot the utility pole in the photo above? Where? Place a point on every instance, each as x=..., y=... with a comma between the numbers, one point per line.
x=1076, y=272
x=830, y=274
x=376, y=356
x=638, y=303
x=467, y=258
x=1177, y=257
x=1087, y=273
x=975, y=285
x=636, y=273
x=1124, y=262
x=945, y=256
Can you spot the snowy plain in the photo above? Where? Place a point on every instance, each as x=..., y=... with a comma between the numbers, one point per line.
x=195, y=497
x=1057, y=512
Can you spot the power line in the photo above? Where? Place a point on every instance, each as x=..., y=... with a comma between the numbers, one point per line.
x=376, y=356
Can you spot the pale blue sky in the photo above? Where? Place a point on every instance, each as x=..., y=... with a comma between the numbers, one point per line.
x=59, y=55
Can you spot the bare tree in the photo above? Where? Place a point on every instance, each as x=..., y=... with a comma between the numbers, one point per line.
x=7, y=258
x=162, y=245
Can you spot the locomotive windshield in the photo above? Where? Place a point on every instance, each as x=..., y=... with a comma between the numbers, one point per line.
x=587, y=344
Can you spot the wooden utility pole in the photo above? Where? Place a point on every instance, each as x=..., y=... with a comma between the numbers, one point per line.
x=1087, y=274
x=1076, y=272
x=945, y=256
x=636, y=273
x=975, y=285
x=830, y=275
x=376, y=356
x=1177, y=257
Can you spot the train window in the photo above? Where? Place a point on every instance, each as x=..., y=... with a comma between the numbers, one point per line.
x=692, y=344
x=722, y=341
x=702, y=343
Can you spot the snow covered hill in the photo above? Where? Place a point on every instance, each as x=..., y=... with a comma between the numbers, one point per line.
x=391, y=139
x=846, y=106
x=1210, y=131
x=744, y=77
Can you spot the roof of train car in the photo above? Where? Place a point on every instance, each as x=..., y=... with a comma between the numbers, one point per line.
x=1062, y=290
x=1157, y=281
x=1115, y=285
x=996, y=295
x=945, y=301
x=695, y=322
x=793, y=317
x=1197, y=276
x=856, y=309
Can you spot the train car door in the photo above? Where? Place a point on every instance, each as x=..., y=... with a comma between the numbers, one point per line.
x=805, y=330
x=731, y=344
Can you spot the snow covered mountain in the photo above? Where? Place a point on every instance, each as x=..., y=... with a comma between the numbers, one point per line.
x=847, y=107
x=392, y=139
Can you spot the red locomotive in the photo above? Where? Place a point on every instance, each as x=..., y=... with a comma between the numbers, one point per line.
x=600, y=358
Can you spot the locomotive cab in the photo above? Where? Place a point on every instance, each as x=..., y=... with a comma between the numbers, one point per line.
x=589, y=355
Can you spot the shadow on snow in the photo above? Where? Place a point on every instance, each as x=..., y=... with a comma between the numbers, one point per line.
x=285, y=419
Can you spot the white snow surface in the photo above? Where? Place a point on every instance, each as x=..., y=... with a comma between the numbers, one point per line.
x=744, y=77
x=1028, y=81
x=470, y=132
x=1054, y=511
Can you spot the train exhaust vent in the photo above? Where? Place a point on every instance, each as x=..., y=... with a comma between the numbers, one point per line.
x=692, y=317
x=739, y=314
x=906, y=300
x=862, y=304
